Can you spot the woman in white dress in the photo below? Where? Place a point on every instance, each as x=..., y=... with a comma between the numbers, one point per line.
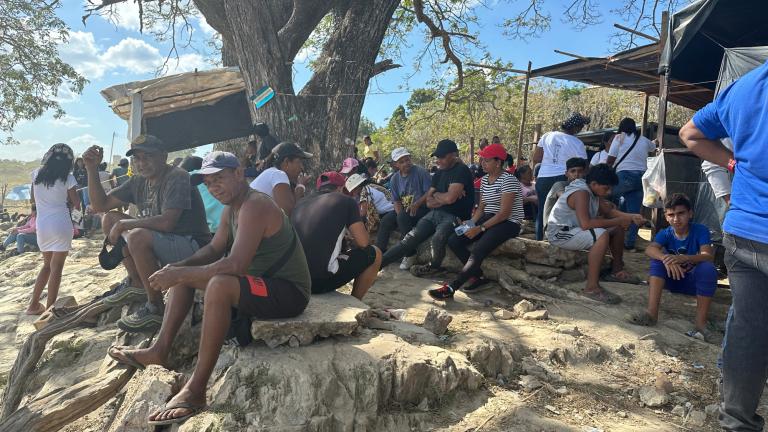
x=53, y=186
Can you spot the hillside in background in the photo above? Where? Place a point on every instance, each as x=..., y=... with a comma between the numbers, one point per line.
x=13, y=172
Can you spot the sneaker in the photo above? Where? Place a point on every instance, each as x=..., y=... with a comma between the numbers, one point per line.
x=424, y=270
x=407, y=262
x=123, y=293
x=443, y=293
x=145, y=320
x=476, y=284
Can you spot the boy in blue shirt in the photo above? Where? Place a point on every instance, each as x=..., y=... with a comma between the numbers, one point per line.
x=681, y=260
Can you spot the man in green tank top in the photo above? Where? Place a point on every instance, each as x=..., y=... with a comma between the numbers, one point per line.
x=254, y=263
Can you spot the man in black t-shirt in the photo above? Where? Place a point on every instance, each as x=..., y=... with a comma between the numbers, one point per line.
x=450, y=198
x=322, y=222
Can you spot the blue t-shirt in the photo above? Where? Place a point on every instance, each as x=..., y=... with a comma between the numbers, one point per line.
x=698, y=236
x=741, y=113
x=411, y=188
x=213, y=208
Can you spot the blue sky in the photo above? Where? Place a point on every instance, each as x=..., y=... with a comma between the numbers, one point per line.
x=109, y=53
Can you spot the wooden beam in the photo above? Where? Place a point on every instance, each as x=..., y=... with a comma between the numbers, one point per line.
x=498, y=68
x=663, y=84
x=644, y=125
x=635, y=32
x=525, y=114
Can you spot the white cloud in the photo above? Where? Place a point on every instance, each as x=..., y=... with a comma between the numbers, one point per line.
x=204, y=26
x=71, y=121
x=81, y=143
x=26, y=150
x=129, y=55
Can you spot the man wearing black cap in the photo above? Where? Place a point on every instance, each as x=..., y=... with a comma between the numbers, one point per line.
x=170, y=224
x=267, y=141
x=450, y=198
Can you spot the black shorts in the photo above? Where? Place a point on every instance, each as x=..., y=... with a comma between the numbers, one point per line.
x=267, y=298
x=351, y=264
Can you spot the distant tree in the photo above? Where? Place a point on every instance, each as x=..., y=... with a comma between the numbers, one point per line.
x=398, y=119
x=31, y=72
x=419, y=97
x=366, y=127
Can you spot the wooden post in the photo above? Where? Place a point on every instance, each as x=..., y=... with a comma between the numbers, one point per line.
x=644, y=126
x=471, y=150
x=663, y=83
x=525, y=114
x=2, y=199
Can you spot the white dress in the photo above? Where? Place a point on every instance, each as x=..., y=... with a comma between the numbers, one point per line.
x=54, y=223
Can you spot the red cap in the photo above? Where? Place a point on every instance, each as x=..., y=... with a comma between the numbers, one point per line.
x=493, y=151
x=349, y=165
x=331, y=177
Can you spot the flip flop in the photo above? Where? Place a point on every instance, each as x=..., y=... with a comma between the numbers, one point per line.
x=126, y=359
x=603, y=296
x=701, y=335
x=193, y=411
x=641, y=319
x=628, y=279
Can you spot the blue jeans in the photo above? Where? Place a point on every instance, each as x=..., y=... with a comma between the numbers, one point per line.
x=543, y=186
x=21, y=240
x=745, y=347
x=630, y=188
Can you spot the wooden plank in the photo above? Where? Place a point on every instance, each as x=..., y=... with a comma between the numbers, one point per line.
x=524, y=115
x=644, y=125
x=635, y=32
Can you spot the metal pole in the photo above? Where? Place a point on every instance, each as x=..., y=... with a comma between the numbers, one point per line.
x=663, y=83
x=644, y=126
x=525, y=114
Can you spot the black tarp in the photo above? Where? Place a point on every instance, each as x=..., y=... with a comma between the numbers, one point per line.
x=739, y=61
x=700, y=33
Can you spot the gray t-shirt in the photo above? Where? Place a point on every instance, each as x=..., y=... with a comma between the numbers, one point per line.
x=554, y=193
x=172, y=191
x=411, y=187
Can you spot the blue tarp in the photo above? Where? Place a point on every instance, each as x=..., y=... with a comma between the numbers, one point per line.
x=19, y=193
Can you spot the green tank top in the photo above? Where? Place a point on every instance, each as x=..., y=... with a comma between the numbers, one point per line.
x=271, y=249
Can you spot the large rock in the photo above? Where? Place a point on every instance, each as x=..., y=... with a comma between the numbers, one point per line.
x=335, y=386
x=492, y=357
x=653, y=397
x=147, y=392
x=331, y=314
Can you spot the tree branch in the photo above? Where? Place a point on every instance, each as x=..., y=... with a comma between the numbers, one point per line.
x=304, y=18
x=384, y=66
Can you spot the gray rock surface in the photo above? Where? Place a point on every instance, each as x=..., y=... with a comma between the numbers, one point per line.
x=437, y=321
x=653, y=397
x=331, y=314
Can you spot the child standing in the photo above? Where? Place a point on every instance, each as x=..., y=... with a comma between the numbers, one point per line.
x=681, y=260
x=52, y=186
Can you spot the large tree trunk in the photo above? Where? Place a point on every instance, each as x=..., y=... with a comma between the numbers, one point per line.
x=265, y=38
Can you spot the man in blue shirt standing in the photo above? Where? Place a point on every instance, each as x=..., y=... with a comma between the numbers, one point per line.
x=741, y=113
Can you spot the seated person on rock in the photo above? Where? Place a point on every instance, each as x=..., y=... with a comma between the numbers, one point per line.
x=255, y=264
x=575, y=168
x=323, y=221
x=213, y=207
x=281, y=178
x=582, y=218
x=170, y=224
x=375, y=204
x=450, y=199
x=409, y=186
x=681, y=261
x=497, y=219
x=23, y=234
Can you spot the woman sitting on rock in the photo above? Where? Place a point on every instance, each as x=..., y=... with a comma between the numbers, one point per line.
x=496, y=220
x=22, y=235
x=282, y=179
x=52, y=186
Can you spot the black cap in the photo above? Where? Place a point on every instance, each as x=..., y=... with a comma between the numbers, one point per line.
x=444, y=147
x=261, y=129
x=146, y=143
x=288, y=149
x=112, y=258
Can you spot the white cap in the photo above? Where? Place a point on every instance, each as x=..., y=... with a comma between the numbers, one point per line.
x=354, y=181
x=399, y=152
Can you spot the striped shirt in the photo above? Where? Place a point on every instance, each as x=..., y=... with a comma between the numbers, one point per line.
x=491, y=195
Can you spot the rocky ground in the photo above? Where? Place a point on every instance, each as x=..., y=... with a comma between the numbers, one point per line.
x=580, y=369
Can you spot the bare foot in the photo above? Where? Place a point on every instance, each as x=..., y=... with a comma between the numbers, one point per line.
x=137, y=357
x=183, y=404
x=35, y=309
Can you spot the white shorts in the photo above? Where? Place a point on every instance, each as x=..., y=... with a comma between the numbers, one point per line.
x=574, y=238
